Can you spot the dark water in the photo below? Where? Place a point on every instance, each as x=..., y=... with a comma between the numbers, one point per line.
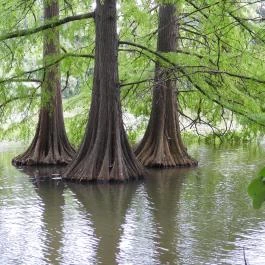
x=186, y=217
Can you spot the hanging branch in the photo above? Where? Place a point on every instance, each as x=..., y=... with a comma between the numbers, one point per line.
x=64, y=56
x=206, y=70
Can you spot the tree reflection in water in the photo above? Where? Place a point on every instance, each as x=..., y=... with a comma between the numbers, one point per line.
x=51, y=193
x=164, y=188
x=107, y=205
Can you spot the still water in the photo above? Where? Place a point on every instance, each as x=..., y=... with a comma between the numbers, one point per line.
x=193, y=216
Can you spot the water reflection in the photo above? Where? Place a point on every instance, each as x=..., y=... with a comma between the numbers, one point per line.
x=215, y=211
x=138, y=242
x=80, y=242
x=164, y=188
x=107, y=205
x=51, y=194
x=21, y=228
x=68, y=230
x=196, y=216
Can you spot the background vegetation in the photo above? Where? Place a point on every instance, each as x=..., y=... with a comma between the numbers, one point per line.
x=219, y=67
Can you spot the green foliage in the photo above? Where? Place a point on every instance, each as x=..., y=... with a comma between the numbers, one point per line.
x=76, y=128
x=219, y=65
x=256, y=189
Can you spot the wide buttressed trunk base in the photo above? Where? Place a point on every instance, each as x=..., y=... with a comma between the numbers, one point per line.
x=50, y=145
x=162, y=145
x=105, y=154
x=105, y=159
x=165, y=158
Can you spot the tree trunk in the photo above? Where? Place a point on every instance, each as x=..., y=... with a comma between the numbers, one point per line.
x=105, y=154
x=50, y=145
x=162, y=145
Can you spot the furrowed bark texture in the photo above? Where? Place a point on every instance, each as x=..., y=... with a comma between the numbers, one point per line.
x=105, y=154
x=50, y=145
x=162, y=145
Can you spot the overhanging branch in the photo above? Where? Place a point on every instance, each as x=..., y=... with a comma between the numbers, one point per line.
x=27, y=32
x=56, y=61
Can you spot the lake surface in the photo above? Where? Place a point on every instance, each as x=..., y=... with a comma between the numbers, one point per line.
x=180, y=216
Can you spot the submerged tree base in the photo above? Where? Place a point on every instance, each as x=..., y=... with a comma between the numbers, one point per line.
x=102, y=160
x=50, y=145
x=165, y=166
x=161, y=160
x=102, y=181
x=28, y=160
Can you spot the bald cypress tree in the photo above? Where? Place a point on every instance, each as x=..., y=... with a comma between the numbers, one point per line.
x=105, y=154
x=162, y=145
x=50, y=145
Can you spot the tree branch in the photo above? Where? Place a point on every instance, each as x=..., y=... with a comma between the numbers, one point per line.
x=59, y=59
x=27, y=32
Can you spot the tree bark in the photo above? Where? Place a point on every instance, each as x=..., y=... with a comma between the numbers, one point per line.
x=105, y=154
x=50, y=145
x=162, y=145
